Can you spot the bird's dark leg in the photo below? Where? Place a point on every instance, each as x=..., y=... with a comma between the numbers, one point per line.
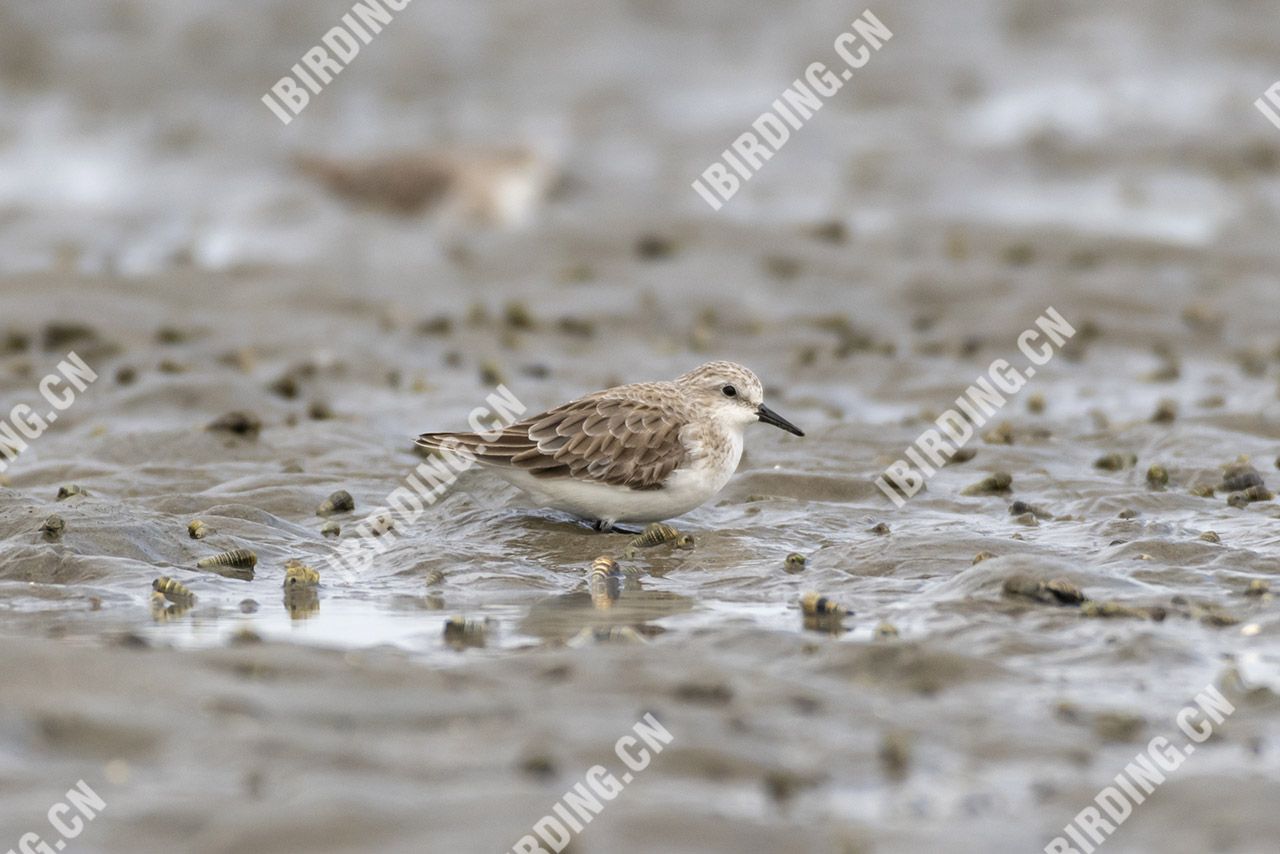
x=606, y=527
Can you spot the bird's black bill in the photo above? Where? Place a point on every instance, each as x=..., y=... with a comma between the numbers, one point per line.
x=768, y=416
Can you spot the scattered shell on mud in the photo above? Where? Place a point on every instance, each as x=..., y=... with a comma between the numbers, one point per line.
x=997, y=483
x=516, y=315
x=1116, y=609
x=1250, y=495
x=71, y=489
x=15, y=341
x=980, y=557
x=962, y=455
x=1211, y=537
x=198, y=530
x=298, y=574
x=1166, y=412
x=319, y=410
x=794, y=563
x=1116, y=462
x=1202, y=490
x=339, y=502
x=380, y=523
x=1064, y=591
x=1213, y=615
x=491, y=373
x=1022, y=508
x=437, y=325
x=658, y=533
x=1258, y=587
x=434, y=578
x=174, y=591
x=1239, y=476
x=880, y=528
x=240, y=423
x=237, y=563
x=53, y=527
x=238, y=558
x=1001, y=434
x=1157, y=476
x=1056, y=591
x=331, y=529
x=815, y=604
x=60, y=335
x=288, y=385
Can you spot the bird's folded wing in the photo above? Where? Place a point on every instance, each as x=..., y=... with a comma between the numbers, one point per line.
x=613, y=440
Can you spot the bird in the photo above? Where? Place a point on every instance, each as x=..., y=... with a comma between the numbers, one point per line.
x=636, y=453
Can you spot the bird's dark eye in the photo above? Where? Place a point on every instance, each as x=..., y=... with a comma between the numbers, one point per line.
x=730, y=391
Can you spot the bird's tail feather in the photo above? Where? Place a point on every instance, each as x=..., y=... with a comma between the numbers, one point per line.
x=474, y=445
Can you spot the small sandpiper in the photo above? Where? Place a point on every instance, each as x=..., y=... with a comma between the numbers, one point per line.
x=634, y=453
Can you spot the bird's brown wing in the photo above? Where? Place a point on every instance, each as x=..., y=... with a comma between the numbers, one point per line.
x=616, y=440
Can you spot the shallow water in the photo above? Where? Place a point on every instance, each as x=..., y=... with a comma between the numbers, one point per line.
x=990, y=162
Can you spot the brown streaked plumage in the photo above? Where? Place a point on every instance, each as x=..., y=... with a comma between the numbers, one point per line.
x=625, y=437
x=639, y=452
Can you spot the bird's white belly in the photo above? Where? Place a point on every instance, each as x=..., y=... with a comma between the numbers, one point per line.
x=684, y=490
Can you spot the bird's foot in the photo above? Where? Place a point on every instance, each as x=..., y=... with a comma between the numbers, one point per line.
x=604, y=526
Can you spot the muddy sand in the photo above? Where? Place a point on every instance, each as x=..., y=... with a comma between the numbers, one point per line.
x=971, y=177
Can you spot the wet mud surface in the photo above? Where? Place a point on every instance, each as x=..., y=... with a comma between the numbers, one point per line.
x=970, y=700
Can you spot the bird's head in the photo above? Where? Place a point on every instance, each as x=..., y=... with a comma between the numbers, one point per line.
x=733, y=393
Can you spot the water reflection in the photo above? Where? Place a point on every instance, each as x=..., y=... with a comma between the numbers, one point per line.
x=601, y=611
x=163, y=611
x=461, y=633
x=302, y=603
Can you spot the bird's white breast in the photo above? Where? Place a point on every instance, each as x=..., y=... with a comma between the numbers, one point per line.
x=712, y=459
